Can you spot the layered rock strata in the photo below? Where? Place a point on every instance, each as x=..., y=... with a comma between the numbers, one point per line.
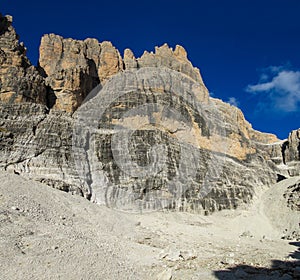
x=147, y=137
x=291, y=153
x=159, y=141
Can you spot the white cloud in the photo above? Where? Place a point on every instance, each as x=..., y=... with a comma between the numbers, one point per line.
x=264, y=77
x=233, y=101
x=283, y=91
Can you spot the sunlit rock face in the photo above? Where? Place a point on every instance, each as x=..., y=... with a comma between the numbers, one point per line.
x=156, y=140
x=73, y=68
x=137, y=134
x=19, y=80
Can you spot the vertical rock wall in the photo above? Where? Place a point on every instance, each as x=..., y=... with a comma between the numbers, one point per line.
x=19, y=80
x=212, y=158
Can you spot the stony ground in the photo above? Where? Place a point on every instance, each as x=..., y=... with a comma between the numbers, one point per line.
x=49, y=234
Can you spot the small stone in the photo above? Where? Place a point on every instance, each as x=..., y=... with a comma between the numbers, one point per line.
x=165, y=275
x=246, y=234
x=231, y=261
x=162, y=255
x=54, y=247
x=174, y=256
x=228, y=261
x=15, y=208
x=188, y=255
x=137, y=224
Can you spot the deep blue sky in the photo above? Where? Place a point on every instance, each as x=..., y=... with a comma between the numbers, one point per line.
x=247, y=51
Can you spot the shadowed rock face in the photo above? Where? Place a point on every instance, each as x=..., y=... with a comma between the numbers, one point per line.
x=148, y=137
x=291, y=152
x=292, y=196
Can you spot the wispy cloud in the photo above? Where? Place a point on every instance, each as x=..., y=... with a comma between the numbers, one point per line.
x=233, y=101
x=282, y=90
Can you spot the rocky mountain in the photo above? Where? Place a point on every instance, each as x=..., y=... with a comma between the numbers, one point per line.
x=131, y=133
x=291, y=153
x=19, y=80
x=73, y=68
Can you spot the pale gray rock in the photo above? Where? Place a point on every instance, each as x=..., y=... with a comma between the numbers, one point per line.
x=148, y=137
x=203, y=169
x=165, y=275
x=37, y=144
x=59, y=149
x=292, y=196
x=291, y=153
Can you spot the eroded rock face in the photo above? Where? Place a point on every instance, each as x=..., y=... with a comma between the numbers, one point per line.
x=291, y=149
x=164, y=57
x=73, y=68
x=202, y=168
x=148, y=137
x=152, y=138
x=37, y=144
x=291, y=152
x=19, y=80
x=292, y=196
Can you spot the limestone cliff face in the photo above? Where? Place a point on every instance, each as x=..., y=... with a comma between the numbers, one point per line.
x=291, y=152
x=164, y=57
x=37, y=144
x=73, y=68
x=291, y=148
x=285, y=154
x=19, y=80
x=209, y=160
x=147, y=137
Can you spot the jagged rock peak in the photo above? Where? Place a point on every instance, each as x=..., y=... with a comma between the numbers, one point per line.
x=74, y=67
x=164, y=56
x=6, y=26
x=19, y=80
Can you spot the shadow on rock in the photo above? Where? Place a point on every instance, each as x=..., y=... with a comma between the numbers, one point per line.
x=280, y=270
